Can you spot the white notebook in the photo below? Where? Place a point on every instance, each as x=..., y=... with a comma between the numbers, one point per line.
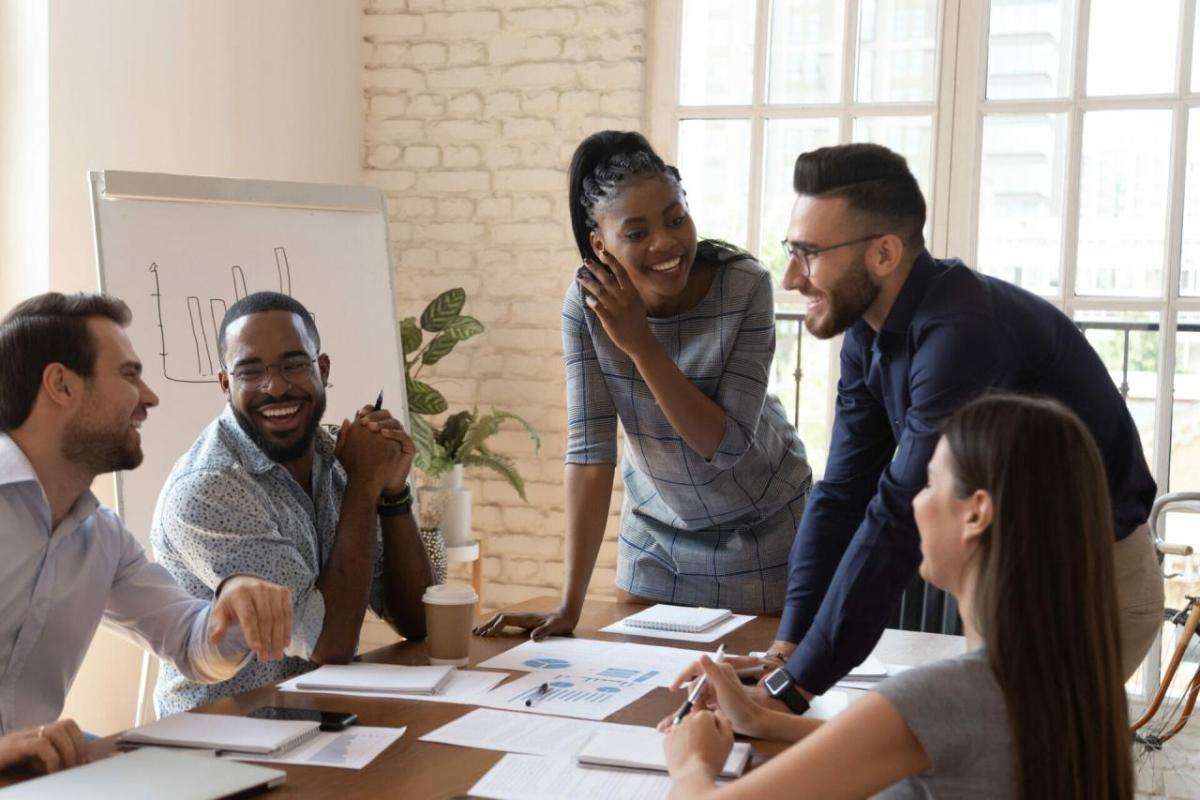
x=686, y=619
x=389, y=678
x=223, y=732
x=644, y=750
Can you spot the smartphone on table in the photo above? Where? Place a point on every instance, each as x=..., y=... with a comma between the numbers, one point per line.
x=330, y=720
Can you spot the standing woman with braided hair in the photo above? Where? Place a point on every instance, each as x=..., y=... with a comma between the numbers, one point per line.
x=675, y=338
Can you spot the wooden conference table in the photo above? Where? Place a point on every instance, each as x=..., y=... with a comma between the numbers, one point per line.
x=417, y=770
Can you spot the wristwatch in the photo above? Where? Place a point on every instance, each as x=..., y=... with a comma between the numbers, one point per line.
x=396, y=505
x=781, y=686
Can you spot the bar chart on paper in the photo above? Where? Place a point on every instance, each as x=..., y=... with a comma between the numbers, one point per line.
x=584, y=696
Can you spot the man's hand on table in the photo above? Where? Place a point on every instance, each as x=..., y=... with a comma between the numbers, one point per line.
x=262, y=609
x=541, y=624
x=45, y=748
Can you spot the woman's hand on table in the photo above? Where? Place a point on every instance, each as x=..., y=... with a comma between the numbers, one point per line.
x=45, y=748
x=540, y=624
x=608, y=291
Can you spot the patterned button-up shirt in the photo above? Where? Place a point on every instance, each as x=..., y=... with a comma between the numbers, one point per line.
x=228, y=509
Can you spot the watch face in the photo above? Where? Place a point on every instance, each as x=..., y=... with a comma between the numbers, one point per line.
x=778, y=682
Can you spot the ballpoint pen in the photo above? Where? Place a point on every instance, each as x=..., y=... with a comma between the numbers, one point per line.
x=699, y=687
x=541, y=692
x=379, y=400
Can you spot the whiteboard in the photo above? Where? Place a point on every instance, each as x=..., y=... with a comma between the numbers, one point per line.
x=181, y=249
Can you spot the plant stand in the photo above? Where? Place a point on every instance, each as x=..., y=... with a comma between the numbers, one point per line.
x=469, y=553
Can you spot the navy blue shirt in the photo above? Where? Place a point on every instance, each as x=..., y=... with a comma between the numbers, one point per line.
x=951, y=335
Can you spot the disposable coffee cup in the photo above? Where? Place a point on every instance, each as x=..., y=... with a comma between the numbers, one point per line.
x=449, y=618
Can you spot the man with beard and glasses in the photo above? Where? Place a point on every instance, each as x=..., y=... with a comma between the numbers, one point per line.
x=922, y=337
x=71, y=409
x=266, y=491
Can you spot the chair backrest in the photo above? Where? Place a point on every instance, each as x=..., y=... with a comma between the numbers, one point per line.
x=926, y=608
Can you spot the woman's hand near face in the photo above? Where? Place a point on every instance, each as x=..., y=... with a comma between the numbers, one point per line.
x=608, y=291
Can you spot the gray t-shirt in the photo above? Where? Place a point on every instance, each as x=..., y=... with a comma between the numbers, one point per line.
x=956, y=710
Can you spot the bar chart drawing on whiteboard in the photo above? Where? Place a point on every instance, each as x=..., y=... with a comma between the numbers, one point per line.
x=189, y=350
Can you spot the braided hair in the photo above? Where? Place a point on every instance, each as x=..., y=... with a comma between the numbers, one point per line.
x=601, y=164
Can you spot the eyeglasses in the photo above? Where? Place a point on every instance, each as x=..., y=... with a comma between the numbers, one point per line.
x=805, y=255
x=292, y=369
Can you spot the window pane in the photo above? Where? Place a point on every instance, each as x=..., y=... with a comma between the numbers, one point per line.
x=806, y=51
x=811, y=395
x=1021, y=195
x=1196, y=56
x=1132, y=362
x=1185, y=416
x=1189, y=278
x=785, y=139
x=717, y=63
x=1029, y=48
x=714, y=161
x=1131, y=47
x=908, y=136
x=897, y=51
x=1123, y=202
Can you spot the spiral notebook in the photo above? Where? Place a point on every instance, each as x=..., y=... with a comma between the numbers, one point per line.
x=684, y=619
x=223, y=732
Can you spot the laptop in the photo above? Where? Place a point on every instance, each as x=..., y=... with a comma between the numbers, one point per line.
x=151, y=773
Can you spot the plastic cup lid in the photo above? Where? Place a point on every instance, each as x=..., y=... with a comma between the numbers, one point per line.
x=450, y=594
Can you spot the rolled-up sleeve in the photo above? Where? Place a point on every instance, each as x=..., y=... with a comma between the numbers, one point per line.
x=216, y=525
x=591, y=413
x=742, y=391
x=147, y=605
x=954, y=361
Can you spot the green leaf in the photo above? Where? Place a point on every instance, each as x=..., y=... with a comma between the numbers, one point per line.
x=498, y=463
x=423, y=398
x=463, y=328
x=454, y=430
x=439, y=348
x=488, y=425
x=410, y=335
x=422, y=436
x=443, y=310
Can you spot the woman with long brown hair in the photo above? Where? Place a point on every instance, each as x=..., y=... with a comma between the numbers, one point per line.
x=1015, y=522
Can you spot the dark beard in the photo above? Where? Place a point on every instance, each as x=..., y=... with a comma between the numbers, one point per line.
x=98, y=449
x=846, y=302
x=285, y=453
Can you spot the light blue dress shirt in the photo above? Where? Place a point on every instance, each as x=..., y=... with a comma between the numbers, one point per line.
x=57, y=586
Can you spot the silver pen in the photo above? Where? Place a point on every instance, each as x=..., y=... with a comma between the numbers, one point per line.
x=699, y=687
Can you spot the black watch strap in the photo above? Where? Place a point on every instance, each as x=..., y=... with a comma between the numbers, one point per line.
x=397, y=505
x=781, y=686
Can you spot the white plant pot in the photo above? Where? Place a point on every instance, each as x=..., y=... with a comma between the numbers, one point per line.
x=456, y=519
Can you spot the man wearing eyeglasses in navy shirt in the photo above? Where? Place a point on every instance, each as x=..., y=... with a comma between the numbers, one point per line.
x=922, y=337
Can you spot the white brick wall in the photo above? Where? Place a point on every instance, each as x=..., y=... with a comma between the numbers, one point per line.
x=473, y=110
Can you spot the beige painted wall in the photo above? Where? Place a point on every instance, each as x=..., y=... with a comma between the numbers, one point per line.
x=265, y=89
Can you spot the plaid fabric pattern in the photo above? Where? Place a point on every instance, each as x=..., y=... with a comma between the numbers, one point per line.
x=694, y=531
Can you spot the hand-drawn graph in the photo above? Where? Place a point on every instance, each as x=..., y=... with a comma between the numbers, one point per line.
x=189, y=351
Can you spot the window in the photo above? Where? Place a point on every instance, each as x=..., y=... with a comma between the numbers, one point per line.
x=1057, y=142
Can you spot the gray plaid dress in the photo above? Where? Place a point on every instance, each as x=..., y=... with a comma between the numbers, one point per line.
x=694, y=531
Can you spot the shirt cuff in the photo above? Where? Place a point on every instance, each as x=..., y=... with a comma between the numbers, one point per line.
x=732, y=447
x=210, y=662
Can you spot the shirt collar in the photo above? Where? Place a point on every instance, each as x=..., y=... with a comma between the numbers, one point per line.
x=911, y=294
x=252, y=455
x=15, y=468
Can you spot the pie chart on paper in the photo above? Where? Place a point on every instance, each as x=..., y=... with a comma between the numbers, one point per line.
x=547, y=663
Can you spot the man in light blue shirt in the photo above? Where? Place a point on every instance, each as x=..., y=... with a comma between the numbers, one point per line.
x=71, y=409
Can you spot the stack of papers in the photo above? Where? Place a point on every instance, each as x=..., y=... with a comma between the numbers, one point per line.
x=684, y=619
x=464, y=687
x=223, y=733
x=376, y=678
x=869, y=673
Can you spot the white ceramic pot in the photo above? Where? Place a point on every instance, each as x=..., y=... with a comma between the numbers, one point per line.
x=456, y=518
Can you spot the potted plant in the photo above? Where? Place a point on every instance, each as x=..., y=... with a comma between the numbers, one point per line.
x=461, y=439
